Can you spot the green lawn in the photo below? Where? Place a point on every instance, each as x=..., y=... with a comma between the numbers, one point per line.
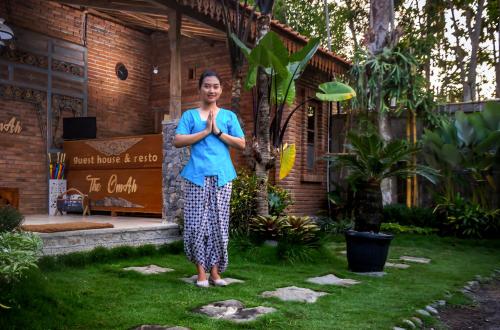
x=102, y=296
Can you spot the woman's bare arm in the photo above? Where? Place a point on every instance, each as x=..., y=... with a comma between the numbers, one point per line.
x=232, y=141
x=184, y=140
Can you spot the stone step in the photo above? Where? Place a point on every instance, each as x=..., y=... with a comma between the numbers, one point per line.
x=85, y=240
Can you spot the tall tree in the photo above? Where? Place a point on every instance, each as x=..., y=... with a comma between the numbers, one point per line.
x=380, y=35
x=240, y=27
x=262, y=144
x=474, y=23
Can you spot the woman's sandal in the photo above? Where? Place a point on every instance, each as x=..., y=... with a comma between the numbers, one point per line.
x=217, y=282
x=202, y=284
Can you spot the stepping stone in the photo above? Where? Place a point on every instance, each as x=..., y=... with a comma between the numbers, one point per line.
x=396, y=265
x=417, y=321
x=431, y=310
x=149, y=270
x=293, y=293
x=423, y=312
x=229, y=280
x=344, y=252
x=233, y=310
x=331, y=279
x=415, y=259
x=409, y=323
x=158, y=327
x=372, y=274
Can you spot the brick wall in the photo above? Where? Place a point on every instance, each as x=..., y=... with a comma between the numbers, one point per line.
x=22, y=157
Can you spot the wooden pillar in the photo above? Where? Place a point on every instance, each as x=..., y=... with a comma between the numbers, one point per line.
x=174, y=37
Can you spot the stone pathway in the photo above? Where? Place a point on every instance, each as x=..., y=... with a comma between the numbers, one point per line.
x=372, y=274
x=149, y=270
x=396, y=265
x=293, y=293
x=229, y=280
x=418, y=260
x=233, y=310
x=331, y=279
x=158, y=327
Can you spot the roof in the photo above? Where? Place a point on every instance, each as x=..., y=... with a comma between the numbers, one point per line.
x=201, y=18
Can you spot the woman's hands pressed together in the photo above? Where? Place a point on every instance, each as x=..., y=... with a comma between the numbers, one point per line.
x=211, y=128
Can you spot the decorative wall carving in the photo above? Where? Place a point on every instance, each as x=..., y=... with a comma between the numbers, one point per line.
x=113, y=147
x=67, y=67
x=23, y=57
x=33, y=96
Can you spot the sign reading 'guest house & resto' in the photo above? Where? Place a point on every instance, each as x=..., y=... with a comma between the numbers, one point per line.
x=119, y=174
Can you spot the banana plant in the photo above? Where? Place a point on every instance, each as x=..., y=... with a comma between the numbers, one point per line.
x=283, y=69
x=467, y=145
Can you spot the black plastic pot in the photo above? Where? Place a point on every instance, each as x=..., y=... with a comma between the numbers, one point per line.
x=366, y=251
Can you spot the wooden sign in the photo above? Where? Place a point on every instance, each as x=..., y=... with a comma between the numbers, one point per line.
x=118, y=174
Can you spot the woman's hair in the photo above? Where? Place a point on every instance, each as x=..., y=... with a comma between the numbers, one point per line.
x=208, y=73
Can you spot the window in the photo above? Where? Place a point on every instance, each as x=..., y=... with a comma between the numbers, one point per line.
x=192, y=73
x=312, y=109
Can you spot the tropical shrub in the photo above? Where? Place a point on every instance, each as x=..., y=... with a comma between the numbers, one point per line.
x=465, y=151
x=279, y=200
x=300, y=230
x=293, y=229
x=10, y=218
x=397, y=228
x=464, y=218
x=334, y=226
x=244, y=201
x=410, y=216
x=369, y=160
x=267, y=227
x=18, y=252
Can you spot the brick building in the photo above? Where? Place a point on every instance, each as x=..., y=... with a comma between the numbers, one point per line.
x=65, y=64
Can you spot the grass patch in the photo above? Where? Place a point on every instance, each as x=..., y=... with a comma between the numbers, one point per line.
x=91, y=291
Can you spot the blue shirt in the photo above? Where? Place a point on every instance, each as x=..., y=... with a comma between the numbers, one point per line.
x=209, y=156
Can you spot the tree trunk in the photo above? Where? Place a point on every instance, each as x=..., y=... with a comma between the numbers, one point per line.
x=327, y=23
x=469, y=93
x=381, y=20
x=387, y=186
x=368, y=212
x=497, y=61
x=236, y=95
x=263, y=141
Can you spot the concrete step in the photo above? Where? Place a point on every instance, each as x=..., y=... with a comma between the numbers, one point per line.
x=85, y=240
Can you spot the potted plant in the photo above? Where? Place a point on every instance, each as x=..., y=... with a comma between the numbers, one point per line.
x=369, y=160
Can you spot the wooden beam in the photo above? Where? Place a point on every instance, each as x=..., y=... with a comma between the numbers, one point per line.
x=192, y=13
x=174, y=37
x=114, y=6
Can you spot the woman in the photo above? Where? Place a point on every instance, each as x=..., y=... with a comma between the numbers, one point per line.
x=210, y=131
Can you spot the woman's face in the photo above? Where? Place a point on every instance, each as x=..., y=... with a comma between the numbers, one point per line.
x=210, y=90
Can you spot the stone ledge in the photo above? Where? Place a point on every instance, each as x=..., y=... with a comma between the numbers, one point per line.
x=85, y=240
x=109, y=230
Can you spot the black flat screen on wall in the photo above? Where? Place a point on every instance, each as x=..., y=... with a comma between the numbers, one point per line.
x=79, y=128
